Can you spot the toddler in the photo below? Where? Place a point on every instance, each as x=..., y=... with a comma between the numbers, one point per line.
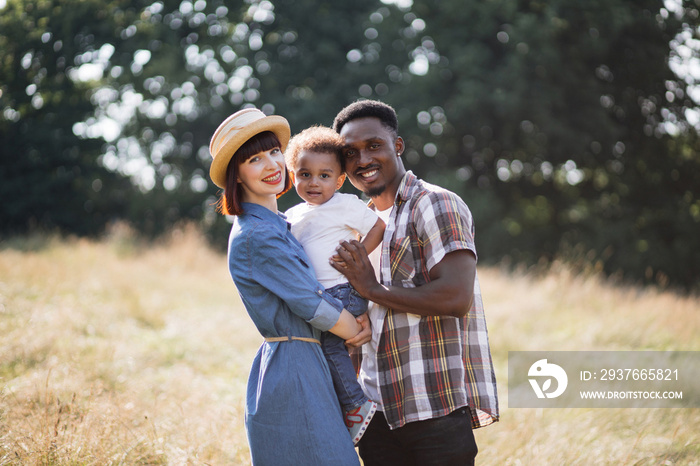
x=315, y=162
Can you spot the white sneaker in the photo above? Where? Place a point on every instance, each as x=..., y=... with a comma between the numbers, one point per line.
x=358, y=419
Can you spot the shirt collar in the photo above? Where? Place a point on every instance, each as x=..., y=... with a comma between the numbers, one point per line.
x=407, y=187
x=263, y=213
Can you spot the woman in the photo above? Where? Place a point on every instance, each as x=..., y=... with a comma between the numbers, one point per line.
x=292, y=413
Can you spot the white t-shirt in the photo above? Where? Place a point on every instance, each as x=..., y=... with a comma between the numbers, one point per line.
x=369, y=380
x=320, y=229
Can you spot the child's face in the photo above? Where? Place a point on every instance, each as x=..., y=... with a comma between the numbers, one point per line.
x=317, y=176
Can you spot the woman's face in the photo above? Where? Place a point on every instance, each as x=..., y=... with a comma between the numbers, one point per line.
x=262, y=176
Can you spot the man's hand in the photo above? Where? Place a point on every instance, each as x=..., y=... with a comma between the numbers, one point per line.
x=364, y=335
x=355, y=265
x=450, y=291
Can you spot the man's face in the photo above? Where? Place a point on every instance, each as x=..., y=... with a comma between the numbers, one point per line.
x=372, y=156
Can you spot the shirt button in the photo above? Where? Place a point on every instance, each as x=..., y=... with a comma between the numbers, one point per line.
x=319, y=292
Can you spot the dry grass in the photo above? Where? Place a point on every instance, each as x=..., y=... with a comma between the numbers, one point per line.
x=113, y=352
x=564, y=312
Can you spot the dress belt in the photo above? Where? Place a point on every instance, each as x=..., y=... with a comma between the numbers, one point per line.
x=288, y=338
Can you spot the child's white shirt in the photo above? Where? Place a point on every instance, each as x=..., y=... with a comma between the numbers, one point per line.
x=320, y=229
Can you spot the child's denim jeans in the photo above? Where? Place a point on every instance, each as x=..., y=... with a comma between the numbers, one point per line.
x=350, y=394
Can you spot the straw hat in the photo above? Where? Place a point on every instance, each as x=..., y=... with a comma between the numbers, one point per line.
x=235, y=131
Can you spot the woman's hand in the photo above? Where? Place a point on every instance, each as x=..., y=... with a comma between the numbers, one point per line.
x=364, y=335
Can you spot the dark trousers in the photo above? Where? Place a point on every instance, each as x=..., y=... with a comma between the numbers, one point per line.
x=443, y=441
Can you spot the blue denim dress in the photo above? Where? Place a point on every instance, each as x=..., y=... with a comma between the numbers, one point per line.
x=292, y=412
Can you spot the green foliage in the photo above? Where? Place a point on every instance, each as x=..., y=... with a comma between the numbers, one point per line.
x=48, y=176
x=560, y=110
x=562, y=123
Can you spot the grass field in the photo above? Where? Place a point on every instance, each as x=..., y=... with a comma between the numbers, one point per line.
x=114, y=352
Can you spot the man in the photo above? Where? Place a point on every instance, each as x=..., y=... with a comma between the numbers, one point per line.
x=428, y=364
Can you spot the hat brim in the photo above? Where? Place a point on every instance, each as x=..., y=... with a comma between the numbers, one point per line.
x=276, y=124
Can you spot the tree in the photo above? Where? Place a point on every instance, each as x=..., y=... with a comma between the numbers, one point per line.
x=164, y=74
x=566, y=118
x=49, y=177
x=563, y=124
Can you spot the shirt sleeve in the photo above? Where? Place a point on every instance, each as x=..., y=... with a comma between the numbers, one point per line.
x=286, y=273
x=360, y=217
x=444, y=224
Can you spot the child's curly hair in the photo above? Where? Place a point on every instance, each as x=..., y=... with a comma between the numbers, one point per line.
x=315, y=139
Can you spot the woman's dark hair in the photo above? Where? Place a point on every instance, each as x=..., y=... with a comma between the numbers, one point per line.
x=230, y=202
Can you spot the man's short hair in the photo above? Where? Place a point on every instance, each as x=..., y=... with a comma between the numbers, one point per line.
x=318, y=138
x=368, y=108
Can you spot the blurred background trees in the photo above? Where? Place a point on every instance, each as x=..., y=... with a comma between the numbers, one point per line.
x=570, y=127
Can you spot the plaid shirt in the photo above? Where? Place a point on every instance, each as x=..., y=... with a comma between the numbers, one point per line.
x=430, y=366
